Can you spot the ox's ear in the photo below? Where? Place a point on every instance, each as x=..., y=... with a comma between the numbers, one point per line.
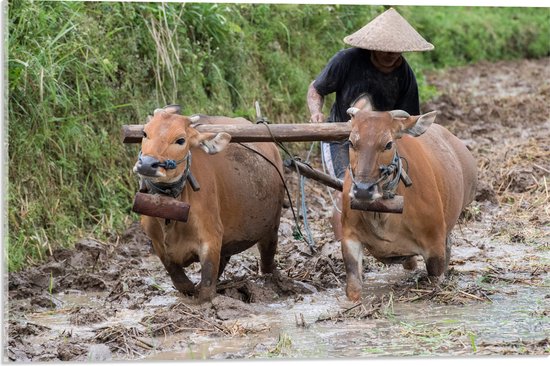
x=417, y=125
x=213, y=143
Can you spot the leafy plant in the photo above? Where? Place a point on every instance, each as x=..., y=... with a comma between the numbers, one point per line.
x=78, y=70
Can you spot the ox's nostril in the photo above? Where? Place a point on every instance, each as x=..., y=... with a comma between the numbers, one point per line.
x=147, y=165
x=365, y=190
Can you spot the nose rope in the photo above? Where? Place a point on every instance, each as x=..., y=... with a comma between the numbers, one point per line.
x=170, y=189
x=388, y=189
x=395, y=168
x=169, y=164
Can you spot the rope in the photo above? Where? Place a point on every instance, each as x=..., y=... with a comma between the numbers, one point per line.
x=298, y=234
x=394, y=168
x=286, y=190
x=329, y=190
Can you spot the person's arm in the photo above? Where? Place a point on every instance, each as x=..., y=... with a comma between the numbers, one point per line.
x=327, y=82
x=315, y=103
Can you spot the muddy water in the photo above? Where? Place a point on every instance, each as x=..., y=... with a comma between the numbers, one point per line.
x=313, y=326
x=114, y=301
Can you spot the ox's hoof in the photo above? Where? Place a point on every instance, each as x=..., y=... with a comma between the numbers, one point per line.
x=436, y=280
x=353, y=292
x=274, y=275
x=185, y=287
x=410, y=264
x=206, y=294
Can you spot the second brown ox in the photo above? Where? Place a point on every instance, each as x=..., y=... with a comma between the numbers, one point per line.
x=444, y=176
x=238, y=204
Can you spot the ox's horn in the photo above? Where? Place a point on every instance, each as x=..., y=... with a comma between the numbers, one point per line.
x=352, y=111
x=194, y=118
x=171, y=109
x=398, y=113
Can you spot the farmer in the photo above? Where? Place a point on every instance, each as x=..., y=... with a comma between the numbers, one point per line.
x=374, y=67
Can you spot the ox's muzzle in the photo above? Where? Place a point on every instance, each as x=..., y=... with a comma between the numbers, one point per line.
x=365, y=191
x=148, y=166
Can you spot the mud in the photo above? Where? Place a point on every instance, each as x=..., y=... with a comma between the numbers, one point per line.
x=114, y=301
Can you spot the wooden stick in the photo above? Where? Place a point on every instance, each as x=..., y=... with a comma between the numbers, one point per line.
x=314, y=174
x=156, y=205
x=260, y=132
x=391, y=205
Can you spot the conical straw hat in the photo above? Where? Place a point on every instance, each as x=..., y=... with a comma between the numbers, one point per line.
x=388, y=32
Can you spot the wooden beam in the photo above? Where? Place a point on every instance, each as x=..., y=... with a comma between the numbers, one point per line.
x=314, y=174
x=261, y=133
x=390, y=205
x=157, y=205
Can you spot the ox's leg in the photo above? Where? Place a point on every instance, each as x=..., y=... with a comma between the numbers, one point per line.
x=176, y=272
x=436, y=268
x=352, y=252
x=180, y=280
x=410, y=263
x=223, y=263
x=268, y=247
x=210, y=265
x=436, y=261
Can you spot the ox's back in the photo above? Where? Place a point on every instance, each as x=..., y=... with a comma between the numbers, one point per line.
x=248, y=189
x=442, y=169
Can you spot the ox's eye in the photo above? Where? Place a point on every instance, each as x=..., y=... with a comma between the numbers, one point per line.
x=389, y=145
x=144, y=134
x=180, y=141
x=351, y=144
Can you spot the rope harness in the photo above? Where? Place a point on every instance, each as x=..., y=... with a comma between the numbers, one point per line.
x=394, y=168
x=297, y=231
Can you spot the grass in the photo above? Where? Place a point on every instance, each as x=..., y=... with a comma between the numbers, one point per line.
x=77, y=71
x=431, y=338
x=283, y=346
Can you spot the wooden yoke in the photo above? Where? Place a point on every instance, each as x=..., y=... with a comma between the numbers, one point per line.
x=261, y=133
x=270, y=133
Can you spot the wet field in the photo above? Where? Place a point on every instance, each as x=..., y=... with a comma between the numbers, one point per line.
x=114, y=301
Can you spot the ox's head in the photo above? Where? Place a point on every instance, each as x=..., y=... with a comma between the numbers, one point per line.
x=373, y=146
x=167, y=140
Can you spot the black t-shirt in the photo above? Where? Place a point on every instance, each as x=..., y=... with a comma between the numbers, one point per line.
x=351, y=73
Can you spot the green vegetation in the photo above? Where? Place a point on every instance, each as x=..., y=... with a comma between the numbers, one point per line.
x=283, y=346
x=77, y=71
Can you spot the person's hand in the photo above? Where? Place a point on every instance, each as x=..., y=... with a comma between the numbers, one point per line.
x=317, y=117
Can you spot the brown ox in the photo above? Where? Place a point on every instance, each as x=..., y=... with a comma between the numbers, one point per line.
x=238, y=204
x=444, y=178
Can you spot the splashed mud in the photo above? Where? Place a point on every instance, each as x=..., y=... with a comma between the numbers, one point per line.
x=114, y=301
